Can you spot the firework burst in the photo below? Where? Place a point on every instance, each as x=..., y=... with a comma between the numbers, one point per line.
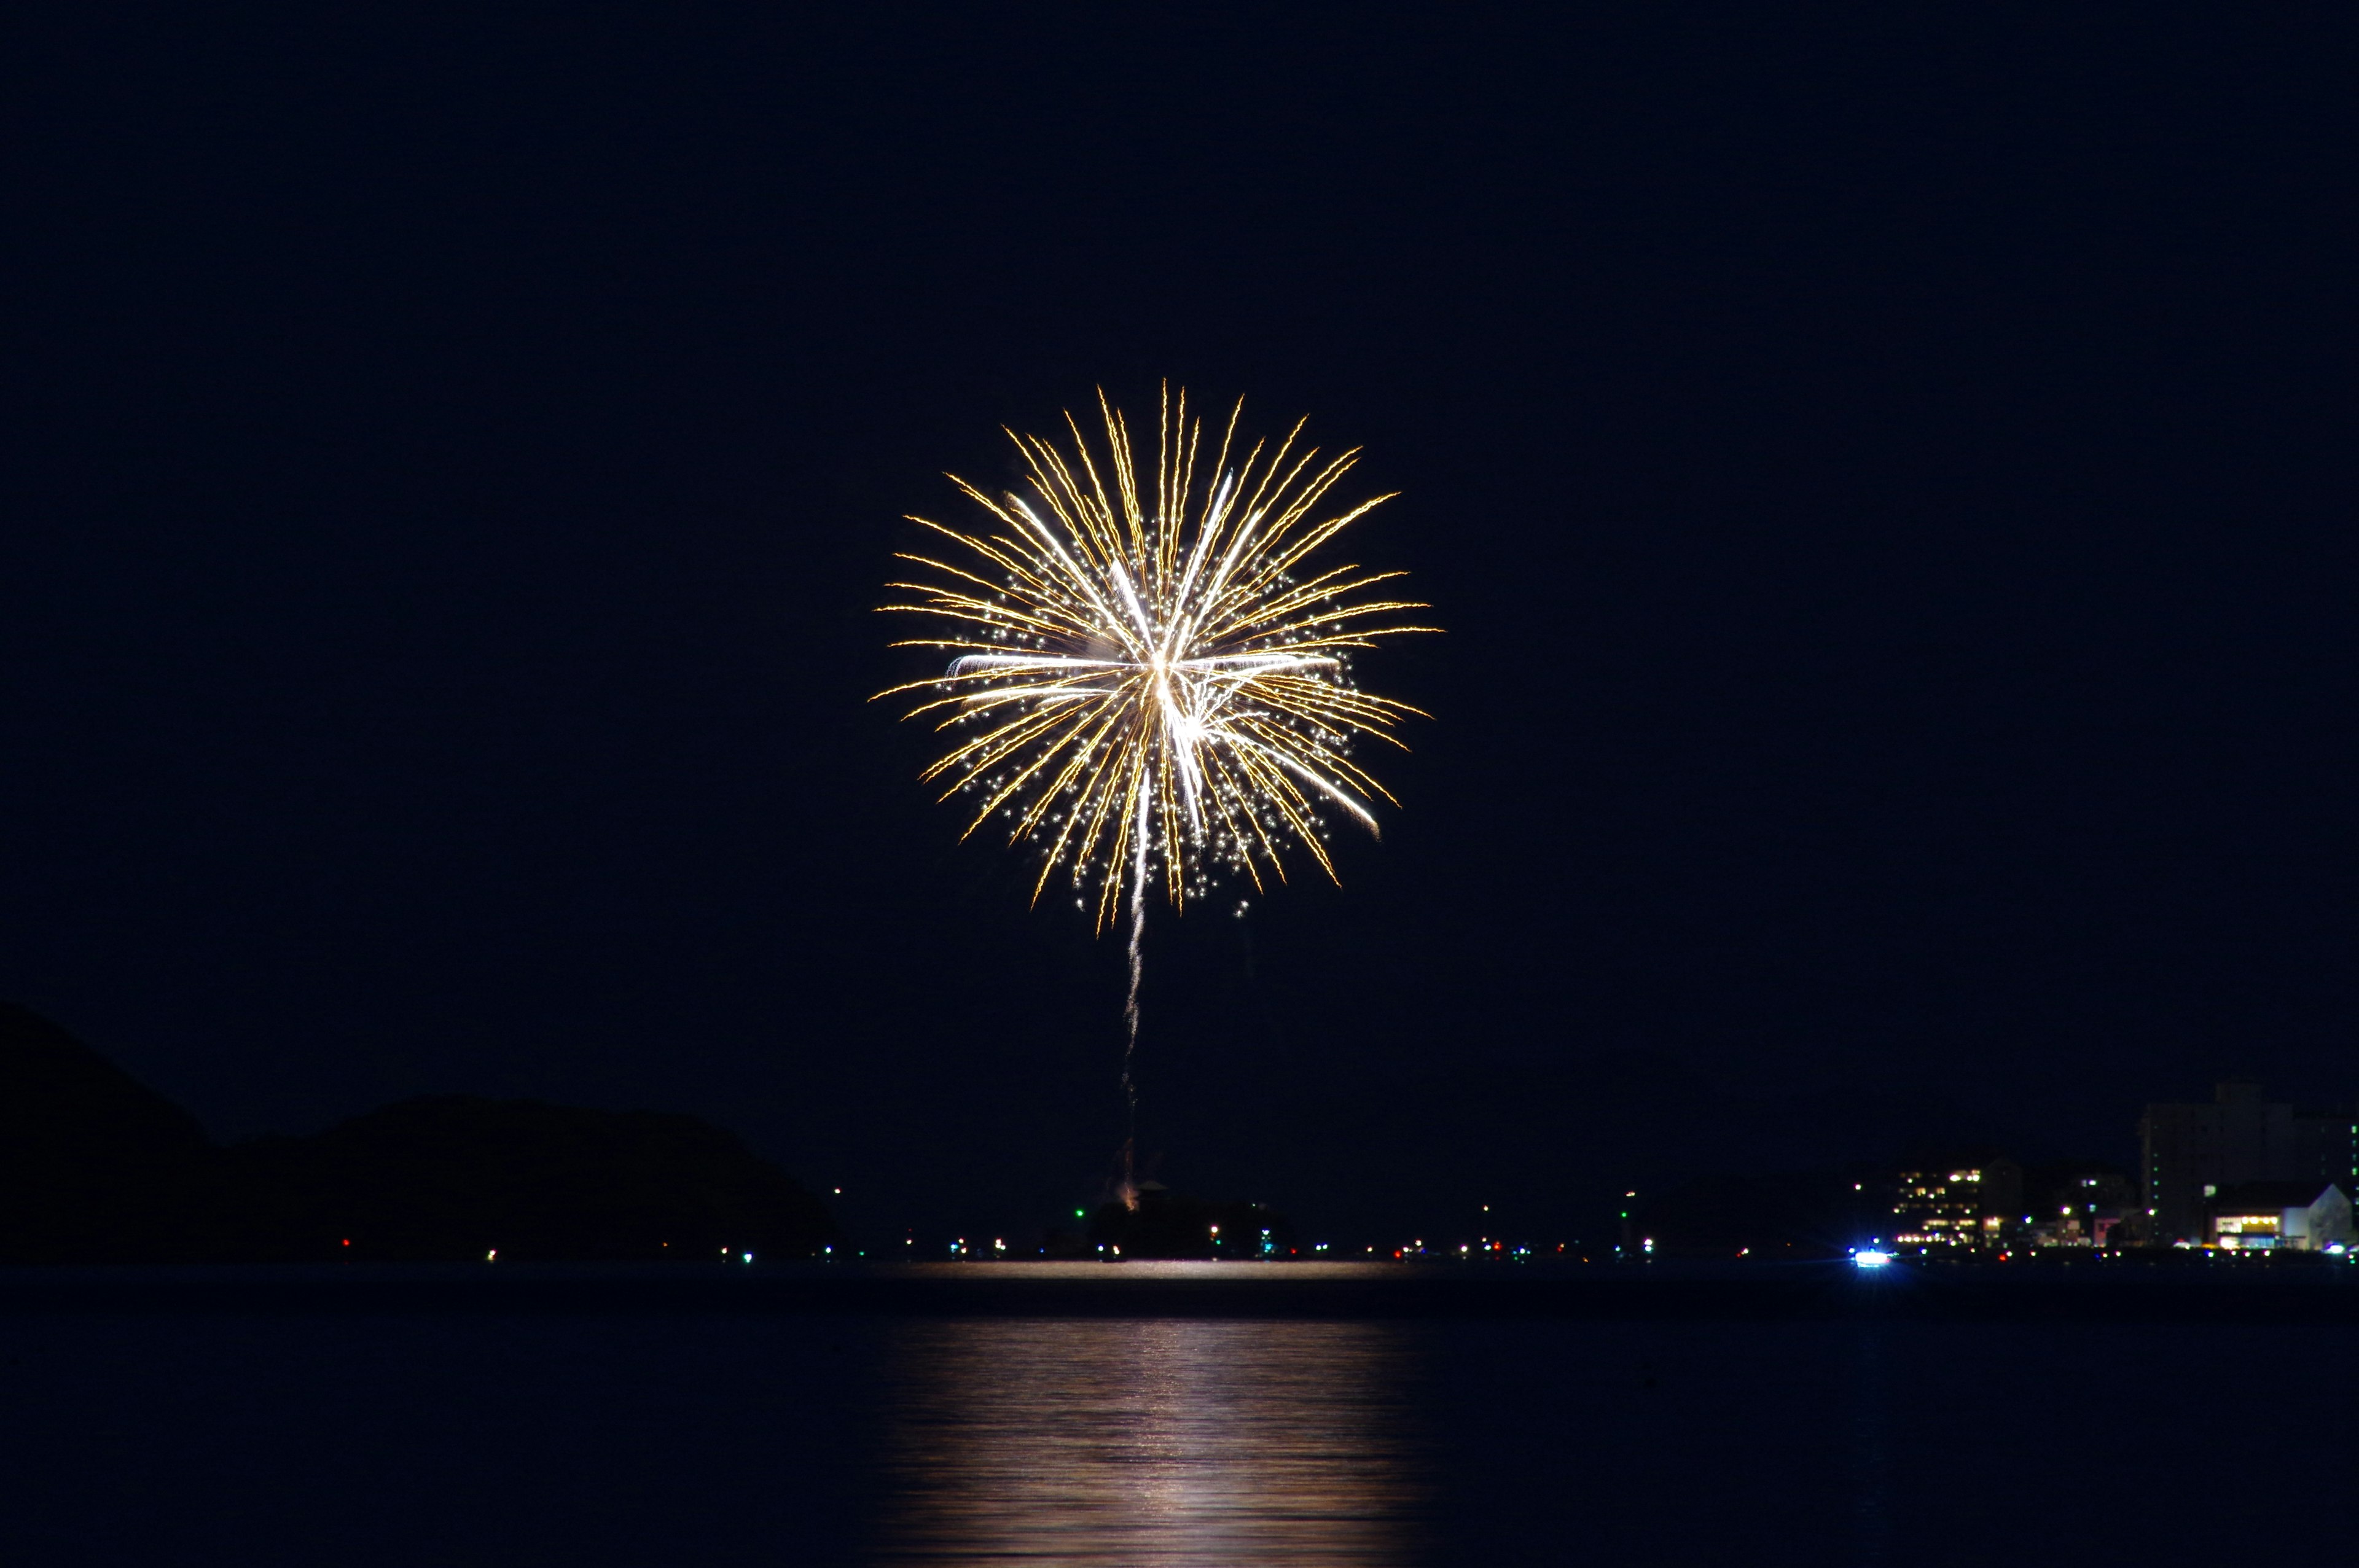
x=1149, y=681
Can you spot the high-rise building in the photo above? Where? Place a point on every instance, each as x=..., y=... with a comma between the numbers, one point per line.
x=2326, y=1145
x=1966, y=1204
x=2189, y=1152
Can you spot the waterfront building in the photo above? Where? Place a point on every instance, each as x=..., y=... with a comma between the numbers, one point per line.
x=2279, y=1215
x=1961, y=1205
x=2190, y=1153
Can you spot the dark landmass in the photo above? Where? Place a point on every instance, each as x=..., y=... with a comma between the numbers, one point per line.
x=456, y=1178
x=1793, y=1216
x=2116, y=1289
x=1824, y=1213
x=97, y=1168
x=1169, y=1225
x=1552, y=1144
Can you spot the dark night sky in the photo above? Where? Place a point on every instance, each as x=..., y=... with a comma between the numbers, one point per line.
x=1888, y=480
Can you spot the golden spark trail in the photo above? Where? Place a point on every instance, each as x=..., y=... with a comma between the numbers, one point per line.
x=1147, y=677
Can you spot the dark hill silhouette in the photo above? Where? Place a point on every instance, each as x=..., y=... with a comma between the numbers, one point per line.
x=94, y=1165
x=97, y=1168
x=454, y=1178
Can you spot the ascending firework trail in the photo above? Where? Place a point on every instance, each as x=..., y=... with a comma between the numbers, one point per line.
x=1155, y=677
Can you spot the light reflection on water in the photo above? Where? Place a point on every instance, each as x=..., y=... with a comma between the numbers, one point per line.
x=1149, y=1442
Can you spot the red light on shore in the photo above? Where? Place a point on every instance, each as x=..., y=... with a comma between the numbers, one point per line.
x=348, y=1241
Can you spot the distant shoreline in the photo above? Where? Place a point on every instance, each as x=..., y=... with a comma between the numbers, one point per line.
x=2086, y=1292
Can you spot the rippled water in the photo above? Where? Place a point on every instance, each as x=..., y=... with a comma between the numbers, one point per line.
x=596, y=1437
x=1150, y=1443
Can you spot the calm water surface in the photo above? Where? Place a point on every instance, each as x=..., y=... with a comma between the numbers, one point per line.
x=585, y=1439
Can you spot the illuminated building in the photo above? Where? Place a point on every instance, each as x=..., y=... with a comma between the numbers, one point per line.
x=1963, y=1205
x=2190, y=1153
x=2300, y=1217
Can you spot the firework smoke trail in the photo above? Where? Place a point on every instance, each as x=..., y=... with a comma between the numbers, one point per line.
x=1129, y=1193
x=1147, y=674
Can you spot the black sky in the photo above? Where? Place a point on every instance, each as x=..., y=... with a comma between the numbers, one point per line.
x=1888, y=477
